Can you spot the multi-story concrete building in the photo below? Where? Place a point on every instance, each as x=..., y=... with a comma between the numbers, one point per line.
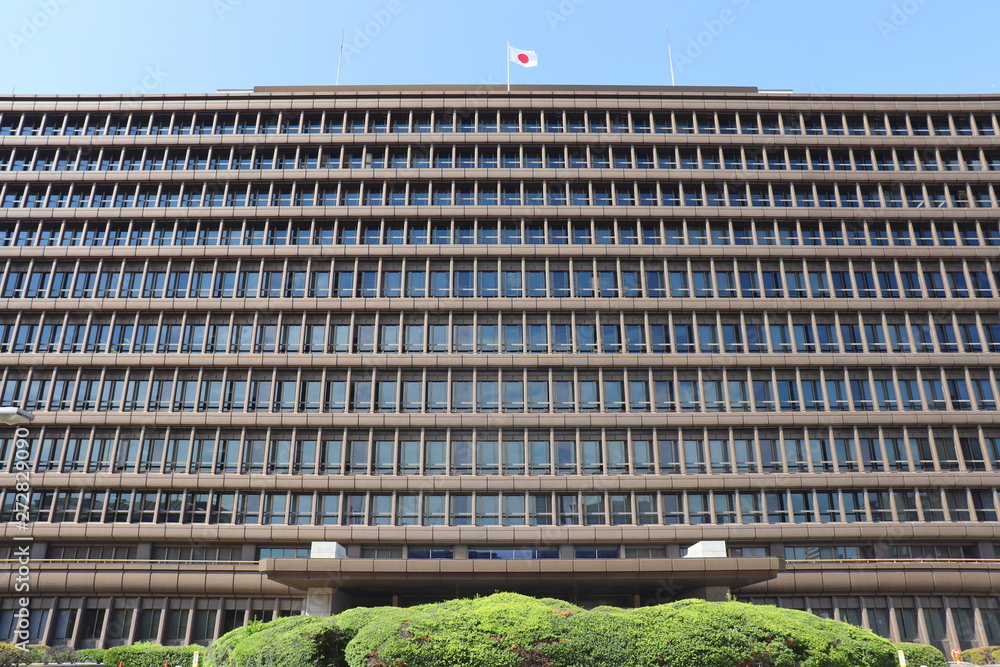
x=543, y=340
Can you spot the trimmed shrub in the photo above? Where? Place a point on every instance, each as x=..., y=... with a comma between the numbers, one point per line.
x=508, y=630
x=717, y=634
x=290, y=641
x=502, y=630
x=11, y=655
x=91, y=655
x=922, y=654
x=63, y=654
x=984, y=655
x=218, y=653
x=148, y=654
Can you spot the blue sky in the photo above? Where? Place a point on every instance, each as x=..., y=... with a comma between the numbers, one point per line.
x=191, y=46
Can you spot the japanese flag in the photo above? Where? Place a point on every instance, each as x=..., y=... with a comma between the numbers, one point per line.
x=523, y=58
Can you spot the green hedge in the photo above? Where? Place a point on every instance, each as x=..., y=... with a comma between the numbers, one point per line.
x=723, y=634
x=146, y=654
x=509, y=630
x=984, y=655
x=922, y=654
x=496, y=631
x=290, y=641
x=91, y=655
x=11, y=655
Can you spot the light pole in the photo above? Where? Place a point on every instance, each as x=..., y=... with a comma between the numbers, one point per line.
x=15, y=416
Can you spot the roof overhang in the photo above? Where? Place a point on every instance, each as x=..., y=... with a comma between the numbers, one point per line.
x=670, y=577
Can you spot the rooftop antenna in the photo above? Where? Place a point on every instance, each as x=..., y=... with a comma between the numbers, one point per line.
x=670, y=56
x=340, y=58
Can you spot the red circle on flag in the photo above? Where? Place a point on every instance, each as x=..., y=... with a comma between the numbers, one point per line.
x=523, y=57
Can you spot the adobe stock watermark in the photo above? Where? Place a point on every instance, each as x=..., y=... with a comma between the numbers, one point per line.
x=562, y=12
x=32, y=25
x=224, y=7
x=22, y=543
x=362, y=36
x=712, y=30
x=901, y=14
x=153, y=78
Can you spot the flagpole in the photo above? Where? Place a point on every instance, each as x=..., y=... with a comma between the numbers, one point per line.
x=340, y=58
x=670, y=55
x=508, y=66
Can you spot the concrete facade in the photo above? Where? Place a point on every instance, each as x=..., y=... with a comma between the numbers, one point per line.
x=544, y=340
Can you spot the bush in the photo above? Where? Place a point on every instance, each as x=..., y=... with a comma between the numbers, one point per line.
x=502, y=630
x=984, y=655
x=11, y=655
x=147, y=654
x=509, y=630
x=91, y=655
x=922, y=654
x=63, y=654
x=717, y=634
x=290, y=641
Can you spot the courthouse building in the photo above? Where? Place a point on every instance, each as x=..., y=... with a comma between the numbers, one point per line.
x=300, y=348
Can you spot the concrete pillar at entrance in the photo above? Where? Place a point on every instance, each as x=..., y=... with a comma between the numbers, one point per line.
x=319, y=602
x=326, y=602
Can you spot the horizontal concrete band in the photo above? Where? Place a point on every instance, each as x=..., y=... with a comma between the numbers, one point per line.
x=496, y=96
x=517, y=420
x=507, y=174
x=611, y=252
x=199, y=534
x=458, y=362
x=859, y=578
x=640, y=576
x=398, y=574
x=388, y=483
x=196, y=579
x=477, y=304
x=485, y=211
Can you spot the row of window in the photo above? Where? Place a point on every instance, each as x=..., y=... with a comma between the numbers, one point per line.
x=948, y=622
x=934, y=620
x=118, y=625
x=512, y=452
x=490, y=391
x=508, y=509
x=494, y=193
x=790, y=552
x=490, y=278
x=486, y=156
x=879, y=551
x=491, y=232
x=330, y=121
x=957, y=620
x=506, y=333
x=810, y=552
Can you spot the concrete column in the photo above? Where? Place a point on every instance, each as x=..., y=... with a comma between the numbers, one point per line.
x=319, y=602
x=326, y=602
